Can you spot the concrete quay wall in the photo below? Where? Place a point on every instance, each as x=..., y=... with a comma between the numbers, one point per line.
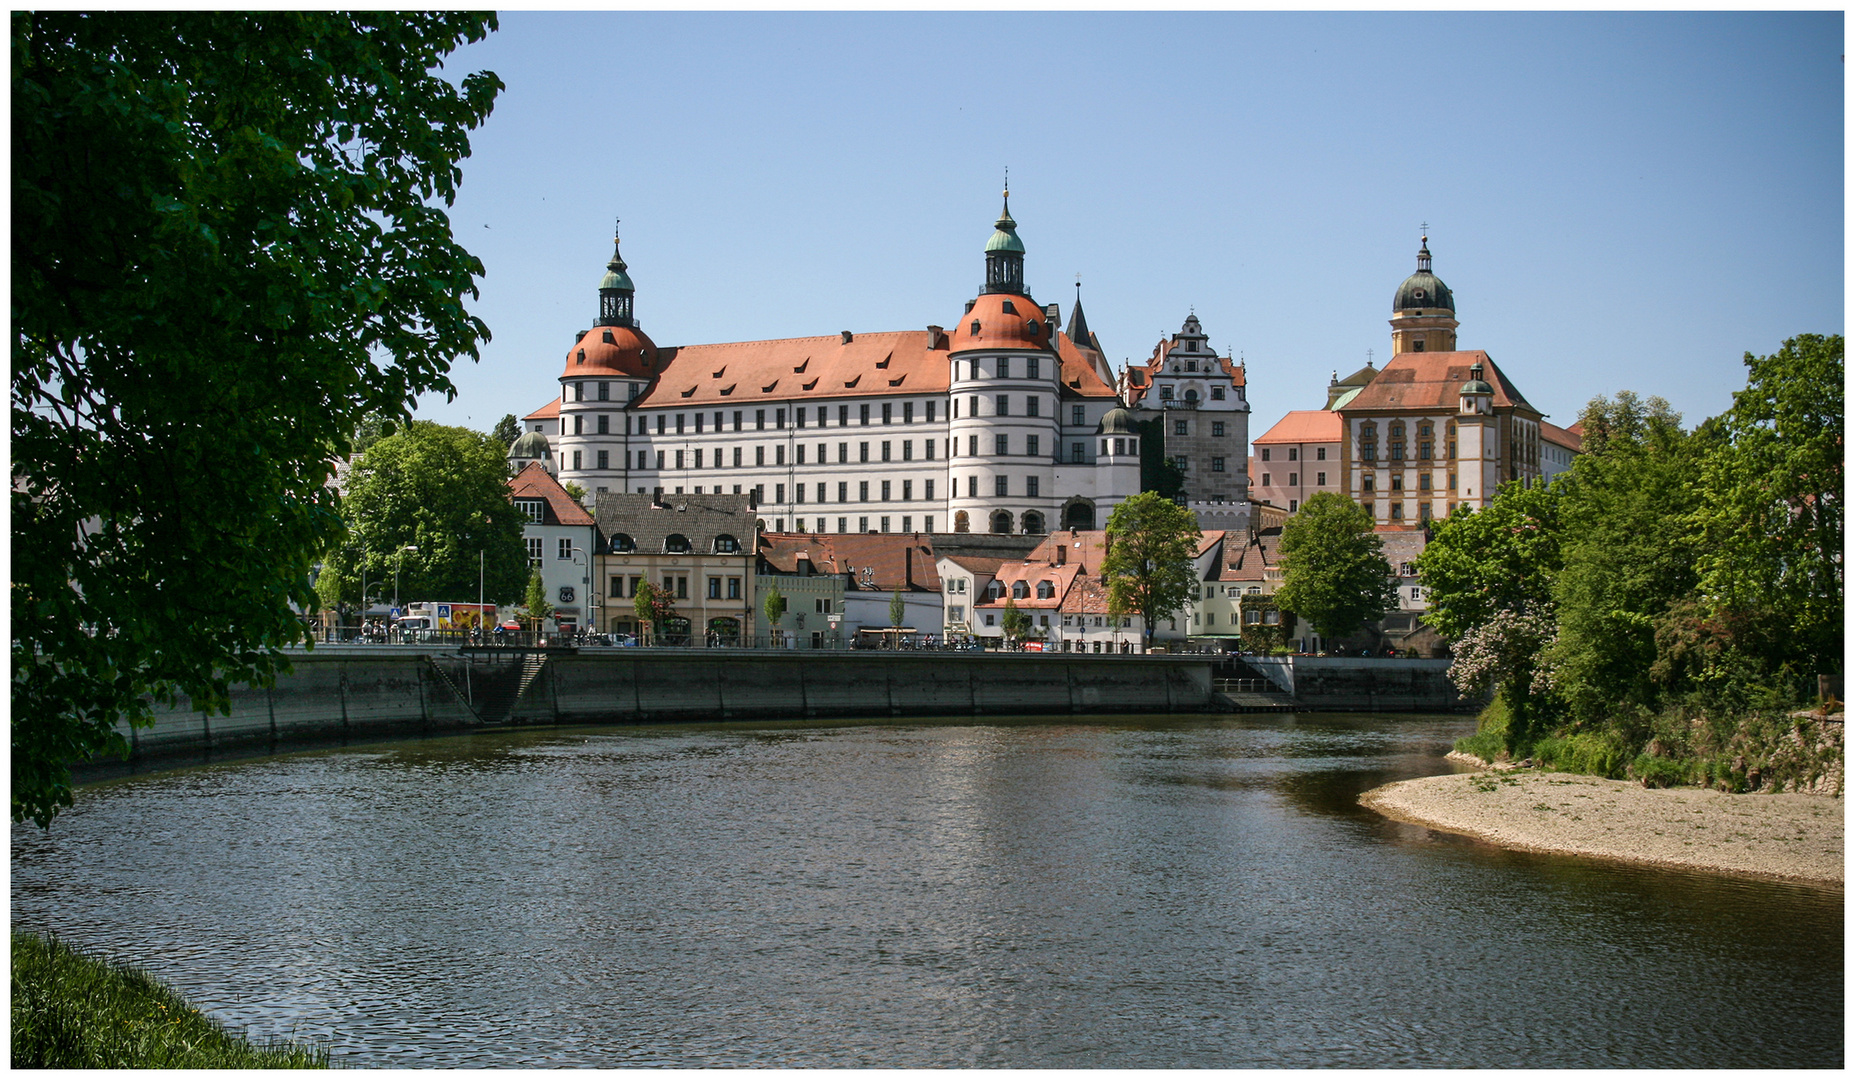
x=1366, y=684
x=657, y=685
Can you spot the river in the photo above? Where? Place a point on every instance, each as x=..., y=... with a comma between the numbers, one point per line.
x=1127, y=892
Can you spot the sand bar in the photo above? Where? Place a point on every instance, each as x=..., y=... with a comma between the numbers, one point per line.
x=1791, y=836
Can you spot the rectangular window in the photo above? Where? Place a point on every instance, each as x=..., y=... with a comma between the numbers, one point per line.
x=1031, y=368
x=1366, y=484
x=737, y=457
x=927, y=492
x=1397, y=451
x=972, y=403
x=1075, y=453
x=1320, y=453
x=579, y=424
x=1001, y=486
x=798, y=496
x=718, y=419
x=863, y=524
x=1031, y=405
x=759, y=419
x=1452, y=481
x=759, y=456
x=843, y=491
x=1001, y=444
x=779, y=455
x=576, y=461
x=972, y=445
x=888, y=411
x=779, y=494
x=972, y=487
x=1294, y=479
x=863, y=491
x=737, y=420
x=714, y=588
x=885, y=449
x=1030, y=487
x=661, y=419
x=605, y=423
x=579, y=391
x=1423, y=482
x=1320, y=479
x=734, y=585
x=885, y=491
x=1265, y=453
x=682, y=587
x=798, y=421
x=1294, y=453
x=1217, y=464
x=1181, y=427
x=616, y=589
x=930, y=410
x=843, y=452
x=799, y=455
x=531, y=509
x=1004, y=403
x=1004, y=367
x=863, y=415
x=605, y=459
x=843, y=525
x=863, y=451
x=631, y=585
x=908, y=491
x=1076, y=416
x=642, y=464
x=679, y=459
x=908, y=412
x=1397, y=481
x=534, y=551
x=908, y=449
x=779, y=419
x=1217, y=428
x=679, y=423
x=1265, y=480
x=605, y=391
x=843, y=420
x=821, y=492
x=1423, y=451
x=1030, y=445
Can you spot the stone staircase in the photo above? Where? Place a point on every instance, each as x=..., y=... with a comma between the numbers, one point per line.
x=490, y=684
x=1242, y=688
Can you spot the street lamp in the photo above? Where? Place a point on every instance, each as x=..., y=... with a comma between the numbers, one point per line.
x=586, y=587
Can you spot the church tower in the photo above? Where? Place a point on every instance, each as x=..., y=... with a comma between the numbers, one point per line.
x=1423, y=313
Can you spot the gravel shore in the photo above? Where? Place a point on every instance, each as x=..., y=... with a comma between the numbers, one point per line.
x=1796, y=837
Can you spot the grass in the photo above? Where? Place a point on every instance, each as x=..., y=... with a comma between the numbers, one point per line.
x=75, y=1011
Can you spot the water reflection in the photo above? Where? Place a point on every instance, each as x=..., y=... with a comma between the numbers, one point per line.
x=1138, y=892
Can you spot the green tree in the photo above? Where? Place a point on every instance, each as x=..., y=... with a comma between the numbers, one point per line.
x=442, y=491
x=898, y=608
x=506, y=431
x=1630, y=539
x=654, y=606
x=1334, y=572
x=229, y=245
x=574, y=491
x=774, y=607
x=1159, y=473
x=1014, y=622
x=1489, y=575
x=1152, y=542
x=1773, y=506
x=535, y=601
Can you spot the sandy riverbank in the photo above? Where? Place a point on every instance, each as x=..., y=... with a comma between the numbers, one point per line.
x=1798, y=837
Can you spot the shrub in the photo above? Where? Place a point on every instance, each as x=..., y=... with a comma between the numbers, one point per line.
x=1595, y=753
x=1659, y=772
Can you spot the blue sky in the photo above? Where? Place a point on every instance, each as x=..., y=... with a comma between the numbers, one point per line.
x=1618, y=201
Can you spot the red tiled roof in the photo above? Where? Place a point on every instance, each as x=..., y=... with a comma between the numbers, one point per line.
x=612, y=350
x=1432, y=381
x=534, y=482
x=1569, y=438
x=1303, y=426
x=999, y=329
x=903, y=561
x=733, y=373
x=550, y=411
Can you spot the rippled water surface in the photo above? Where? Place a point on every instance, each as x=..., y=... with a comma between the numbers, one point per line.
x=1132, y=892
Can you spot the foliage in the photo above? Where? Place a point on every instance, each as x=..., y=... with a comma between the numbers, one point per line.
x=1596, y=753
x=229, y=246
x=371, y=429
x=574, y=491
x=1334, y=572
x=898, y=608
x=1501, y=558
x=1773, y=512
x=441, y=490
x=535, y=601
x=1151, y=544
x=1015, y=623
x=1263, y=638
x=74, y=1011
x=654, y=605
x=1629, y=544
x=506, y=431
x=774, y=606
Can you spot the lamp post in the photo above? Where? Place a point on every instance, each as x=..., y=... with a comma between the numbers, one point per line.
x=586, y=588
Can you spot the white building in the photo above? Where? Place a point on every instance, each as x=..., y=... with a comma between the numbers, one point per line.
x=560, y=535
x=991, y=425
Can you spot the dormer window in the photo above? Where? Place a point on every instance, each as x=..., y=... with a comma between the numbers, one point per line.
x=676, y=544
x=1010, y=309
x=727, y=545
x=531, y=509
x=975, y=330
x=623, y=544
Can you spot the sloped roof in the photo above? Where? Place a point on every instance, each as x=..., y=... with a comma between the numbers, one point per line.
x=1566, y=437
x=534, y=482
x=550, y=411
x=744, y=372
x=701, y=518
x=1303, y=426
x=903, y=561
x=1248, y=561
x=1433, y=381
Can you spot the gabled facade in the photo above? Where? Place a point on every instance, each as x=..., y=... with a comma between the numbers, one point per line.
x=988, y=425
x=562, y=543
x=1201, y=400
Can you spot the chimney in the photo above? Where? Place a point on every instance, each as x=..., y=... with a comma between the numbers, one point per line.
x=937, y=337
x=908, y=566
x=846, y=335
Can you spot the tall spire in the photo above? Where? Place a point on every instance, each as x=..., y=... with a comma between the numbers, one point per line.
x=1078, y=323
x=615, y=289
x=1004, y=254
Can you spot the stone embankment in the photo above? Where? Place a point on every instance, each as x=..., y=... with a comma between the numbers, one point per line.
x=1791, y=836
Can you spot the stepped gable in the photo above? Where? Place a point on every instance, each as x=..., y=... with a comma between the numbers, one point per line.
x=1303, y=426
x=534, y=482
x=1432, y=381
x=701, y=518
x=734, y=374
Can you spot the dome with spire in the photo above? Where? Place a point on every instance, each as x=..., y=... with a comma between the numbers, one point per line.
x=1424, y=290
x=1118, y=422
x=616, y=345
x=1005, y=236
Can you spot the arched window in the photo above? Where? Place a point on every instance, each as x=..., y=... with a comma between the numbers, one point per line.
x=727, y=545
x=1191, y=395
x=1046, y=591
x=1001, y=521
x=676, y=544
x=1020, y=590
x=962, y=523
x=623, y=544
x=1033, y=523
x=1079, y=515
